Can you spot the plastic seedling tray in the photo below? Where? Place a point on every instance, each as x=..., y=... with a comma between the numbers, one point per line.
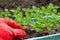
x=48, y=37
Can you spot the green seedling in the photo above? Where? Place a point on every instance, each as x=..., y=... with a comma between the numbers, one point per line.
x=37, y=18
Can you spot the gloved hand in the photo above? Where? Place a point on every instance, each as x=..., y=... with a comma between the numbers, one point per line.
x=9, y=30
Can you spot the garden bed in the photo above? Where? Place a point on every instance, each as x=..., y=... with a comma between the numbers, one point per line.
x=11, y=4
x=48, y=29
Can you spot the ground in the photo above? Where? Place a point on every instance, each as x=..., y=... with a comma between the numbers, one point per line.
x=9, y=4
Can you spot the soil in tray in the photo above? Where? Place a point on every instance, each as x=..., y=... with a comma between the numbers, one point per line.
x=31, y=34
x=9, y=4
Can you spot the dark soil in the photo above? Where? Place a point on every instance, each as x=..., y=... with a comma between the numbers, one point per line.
x=9, y=4
x=33, y=33
x=44, y=32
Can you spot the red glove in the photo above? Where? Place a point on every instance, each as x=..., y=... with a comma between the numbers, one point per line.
x=9, y=30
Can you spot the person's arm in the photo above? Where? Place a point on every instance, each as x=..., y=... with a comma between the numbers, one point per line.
x=11, y=23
